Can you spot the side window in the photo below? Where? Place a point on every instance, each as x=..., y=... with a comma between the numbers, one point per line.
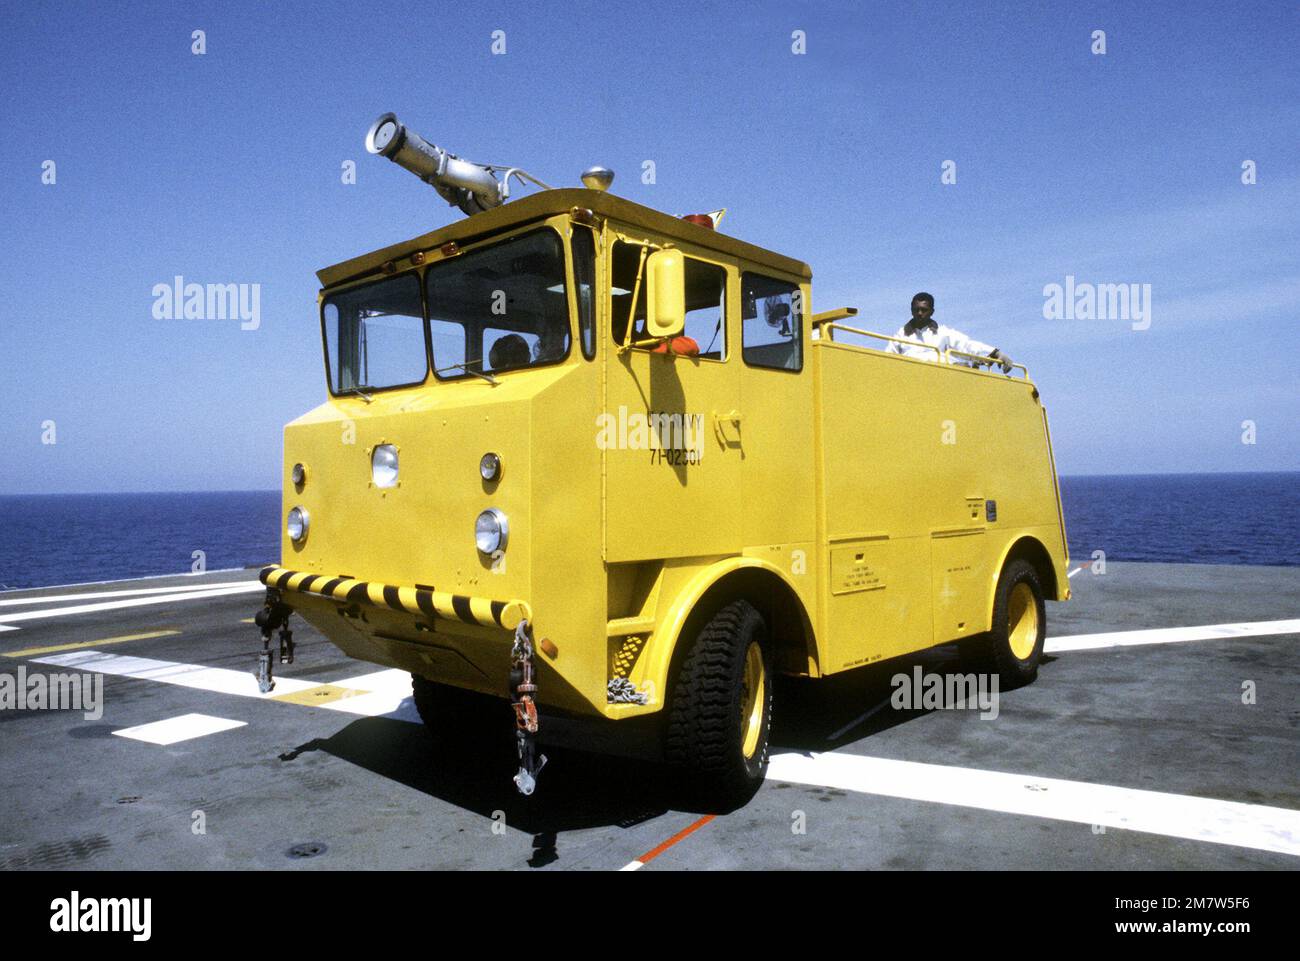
x=772, y=323
x=584, y=288
x=706, y=299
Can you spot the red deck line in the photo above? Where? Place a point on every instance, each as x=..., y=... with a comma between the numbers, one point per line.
x=660, y=849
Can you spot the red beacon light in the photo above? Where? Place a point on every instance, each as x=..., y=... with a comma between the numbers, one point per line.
x=700, y=220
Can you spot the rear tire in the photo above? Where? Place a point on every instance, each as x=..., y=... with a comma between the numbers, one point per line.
x=721, y=710
x=1014, y=645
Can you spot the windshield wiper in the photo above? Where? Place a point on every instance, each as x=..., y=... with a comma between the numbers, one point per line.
x=359, y=392
x=469, y=370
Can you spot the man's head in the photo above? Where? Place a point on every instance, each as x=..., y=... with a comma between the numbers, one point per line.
x=508, y=352
x=922, y=308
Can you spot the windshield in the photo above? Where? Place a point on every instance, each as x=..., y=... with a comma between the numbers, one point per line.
x=374, y=336
x=499, y=308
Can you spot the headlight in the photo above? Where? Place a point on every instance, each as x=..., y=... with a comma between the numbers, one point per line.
x=299, y=475
x=296, y=526
x=491, y=531
x=489, y=466
x=383, y=466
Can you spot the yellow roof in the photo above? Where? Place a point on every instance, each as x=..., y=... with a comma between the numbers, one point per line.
x=546, y=203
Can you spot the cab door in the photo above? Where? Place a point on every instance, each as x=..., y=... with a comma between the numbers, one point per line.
x=672, y=467
x=776, y=424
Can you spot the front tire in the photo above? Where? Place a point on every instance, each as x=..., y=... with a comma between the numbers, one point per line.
x=721, y=711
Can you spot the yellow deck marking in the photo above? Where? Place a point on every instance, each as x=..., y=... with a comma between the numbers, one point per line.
x=320, y=694
x=33, y=651
x=248, y=620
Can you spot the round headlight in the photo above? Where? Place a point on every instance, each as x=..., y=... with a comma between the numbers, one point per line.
x=491, y=531
x=296, y=526
x=489, y=466
x=383, y=466
x=299, y=475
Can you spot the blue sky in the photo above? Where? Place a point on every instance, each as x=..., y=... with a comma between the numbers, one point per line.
x=225, y=168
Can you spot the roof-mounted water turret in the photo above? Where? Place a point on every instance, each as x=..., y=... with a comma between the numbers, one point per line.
x=473, y=187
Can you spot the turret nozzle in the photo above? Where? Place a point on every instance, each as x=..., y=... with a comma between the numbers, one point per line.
x=471, y=187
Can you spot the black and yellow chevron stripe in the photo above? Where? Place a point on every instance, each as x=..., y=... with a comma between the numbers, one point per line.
x=413, y=600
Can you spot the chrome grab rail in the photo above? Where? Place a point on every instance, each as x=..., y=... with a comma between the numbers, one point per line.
x=941, y=356
x=831, y=327
x=990, y=361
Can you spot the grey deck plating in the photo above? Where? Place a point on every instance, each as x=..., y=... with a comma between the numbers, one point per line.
x=362, y=791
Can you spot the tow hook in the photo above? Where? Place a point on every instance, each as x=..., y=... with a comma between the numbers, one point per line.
x=274, y=614
x=523, y=691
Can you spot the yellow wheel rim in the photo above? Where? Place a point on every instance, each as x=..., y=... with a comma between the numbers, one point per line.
x=1022, y=621
x=753, y=698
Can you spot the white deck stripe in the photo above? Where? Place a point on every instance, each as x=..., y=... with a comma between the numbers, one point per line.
x=137, y=592
x=391, y=681
x=177, y=729
x=217, y=679
x=376, y=705
x=1169, y=635
x=243, y=588
x=633, y=866
x=387, y=692
x=1173, y=815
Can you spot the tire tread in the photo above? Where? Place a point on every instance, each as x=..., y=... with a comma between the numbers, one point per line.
x=702, y=734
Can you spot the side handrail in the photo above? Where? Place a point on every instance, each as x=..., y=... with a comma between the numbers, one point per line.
x=981, y=359
x=941, y=356
x=832, y=327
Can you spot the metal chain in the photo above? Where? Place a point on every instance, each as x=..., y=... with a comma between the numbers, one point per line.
x=622, y=691
x=522, y=647
x=523, y=690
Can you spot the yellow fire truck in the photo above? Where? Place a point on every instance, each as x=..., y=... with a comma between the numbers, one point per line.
x=605, y=464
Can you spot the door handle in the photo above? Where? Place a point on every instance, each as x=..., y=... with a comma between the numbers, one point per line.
x=719, y=425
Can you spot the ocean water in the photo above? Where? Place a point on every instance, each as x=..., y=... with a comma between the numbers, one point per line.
x=1189, y=518
x=71, y=538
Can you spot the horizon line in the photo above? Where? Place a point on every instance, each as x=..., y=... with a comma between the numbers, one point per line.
x=276, y=490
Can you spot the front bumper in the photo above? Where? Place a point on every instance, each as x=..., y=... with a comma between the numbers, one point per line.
x=418, y=600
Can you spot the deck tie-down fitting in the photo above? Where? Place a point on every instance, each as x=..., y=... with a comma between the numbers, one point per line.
x=523, y=692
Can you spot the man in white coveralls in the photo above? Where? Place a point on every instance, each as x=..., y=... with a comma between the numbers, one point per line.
x=923, y=330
